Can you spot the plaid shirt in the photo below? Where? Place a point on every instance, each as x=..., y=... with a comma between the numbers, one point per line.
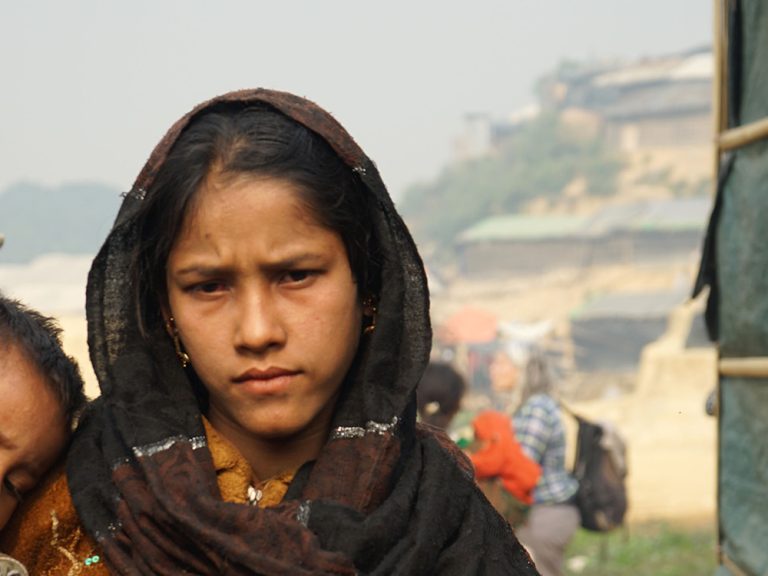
x=540, y=432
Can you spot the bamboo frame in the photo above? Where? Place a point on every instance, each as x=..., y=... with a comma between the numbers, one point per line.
x=755, y=367
x=719, y=109
x=733, y=567
x=743, y=135
x=719, y=100
x=729, y=139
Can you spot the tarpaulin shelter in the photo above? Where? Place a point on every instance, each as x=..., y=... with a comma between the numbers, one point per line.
x=610, y=331
x=735, y=267
x=471, y=335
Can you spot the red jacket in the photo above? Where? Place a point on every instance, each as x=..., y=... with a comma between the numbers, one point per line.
x=500, y=455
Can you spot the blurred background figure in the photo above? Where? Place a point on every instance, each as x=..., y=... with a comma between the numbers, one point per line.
x=504, y=374
x=505, y=474
x=553, y=518
x=439, y=394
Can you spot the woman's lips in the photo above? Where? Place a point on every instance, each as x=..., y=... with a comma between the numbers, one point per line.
x=270, y=381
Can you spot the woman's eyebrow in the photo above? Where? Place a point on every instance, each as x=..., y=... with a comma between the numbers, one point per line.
x=202, y=270
x=294, y=260
x=280, y=263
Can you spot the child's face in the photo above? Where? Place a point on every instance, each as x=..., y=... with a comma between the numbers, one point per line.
x=33, y=430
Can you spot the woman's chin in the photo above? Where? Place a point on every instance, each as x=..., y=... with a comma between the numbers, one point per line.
x=280, y=431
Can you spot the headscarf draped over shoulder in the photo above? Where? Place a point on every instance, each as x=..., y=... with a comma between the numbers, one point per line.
x=383, y=496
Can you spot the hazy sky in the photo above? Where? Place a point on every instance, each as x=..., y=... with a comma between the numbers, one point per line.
x=89, y=86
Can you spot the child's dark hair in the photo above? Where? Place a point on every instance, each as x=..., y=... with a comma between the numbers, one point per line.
x=439, y=394
x=38, y=337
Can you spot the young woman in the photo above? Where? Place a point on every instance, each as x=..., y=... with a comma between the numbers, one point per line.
x=553, y=518
x=258, y=321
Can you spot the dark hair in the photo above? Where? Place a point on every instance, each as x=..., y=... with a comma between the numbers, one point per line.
x=256, y=140
x=538, y=376
x=439, y=394
x=38, y=337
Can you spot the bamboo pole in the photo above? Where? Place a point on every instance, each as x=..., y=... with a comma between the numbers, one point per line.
x=718, y=92
x=734, y=568
x=744, y=367
x=743, y=135
x=718, y=103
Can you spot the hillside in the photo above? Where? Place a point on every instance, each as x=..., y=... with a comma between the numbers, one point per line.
x=71, y=219
x=600, y=133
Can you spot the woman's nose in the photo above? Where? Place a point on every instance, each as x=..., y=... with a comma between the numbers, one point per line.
x=259, y=321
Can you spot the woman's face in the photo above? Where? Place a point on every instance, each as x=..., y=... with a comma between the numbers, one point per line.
x=33, y=430
x=503, y=373
x=266, y=307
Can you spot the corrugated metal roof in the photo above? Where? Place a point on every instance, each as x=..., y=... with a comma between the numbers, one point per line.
x=644, y=72
x=613, y=217
x=523, y=227
x=631, y=305
x=674, y=214
x=699, y=66
x=662, y=99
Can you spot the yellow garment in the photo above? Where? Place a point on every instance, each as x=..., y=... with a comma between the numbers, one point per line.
x=234, y=475
x=46, y=536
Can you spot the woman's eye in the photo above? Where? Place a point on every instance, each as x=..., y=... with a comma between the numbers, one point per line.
x=297, y=276
x=207, y=287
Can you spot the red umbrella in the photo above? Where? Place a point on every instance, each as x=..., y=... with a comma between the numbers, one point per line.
x=469, y=325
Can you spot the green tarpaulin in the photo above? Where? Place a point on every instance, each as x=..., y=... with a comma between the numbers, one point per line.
x=738, y=273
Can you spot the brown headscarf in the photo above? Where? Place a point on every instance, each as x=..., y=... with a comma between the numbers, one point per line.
x=383, y=497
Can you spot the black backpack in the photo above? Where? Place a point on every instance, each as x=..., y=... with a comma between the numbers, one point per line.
x=601, y=472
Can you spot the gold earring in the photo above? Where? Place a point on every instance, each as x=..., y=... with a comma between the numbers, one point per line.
x=183, y=357
x=369, y=311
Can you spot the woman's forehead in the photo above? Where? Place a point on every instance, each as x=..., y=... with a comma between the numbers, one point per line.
x=254, y=195
x=263, y=217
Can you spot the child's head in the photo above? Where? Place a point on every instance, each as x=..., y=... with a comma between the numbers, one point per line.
x=42, y=393
x=439, y=394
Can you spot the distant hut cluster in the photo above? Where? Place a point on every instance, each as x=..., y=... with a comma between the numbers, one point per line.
x=606, y=332
x=657, y=113
x=647, y=109
x=651, y=103
x=634, y=233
